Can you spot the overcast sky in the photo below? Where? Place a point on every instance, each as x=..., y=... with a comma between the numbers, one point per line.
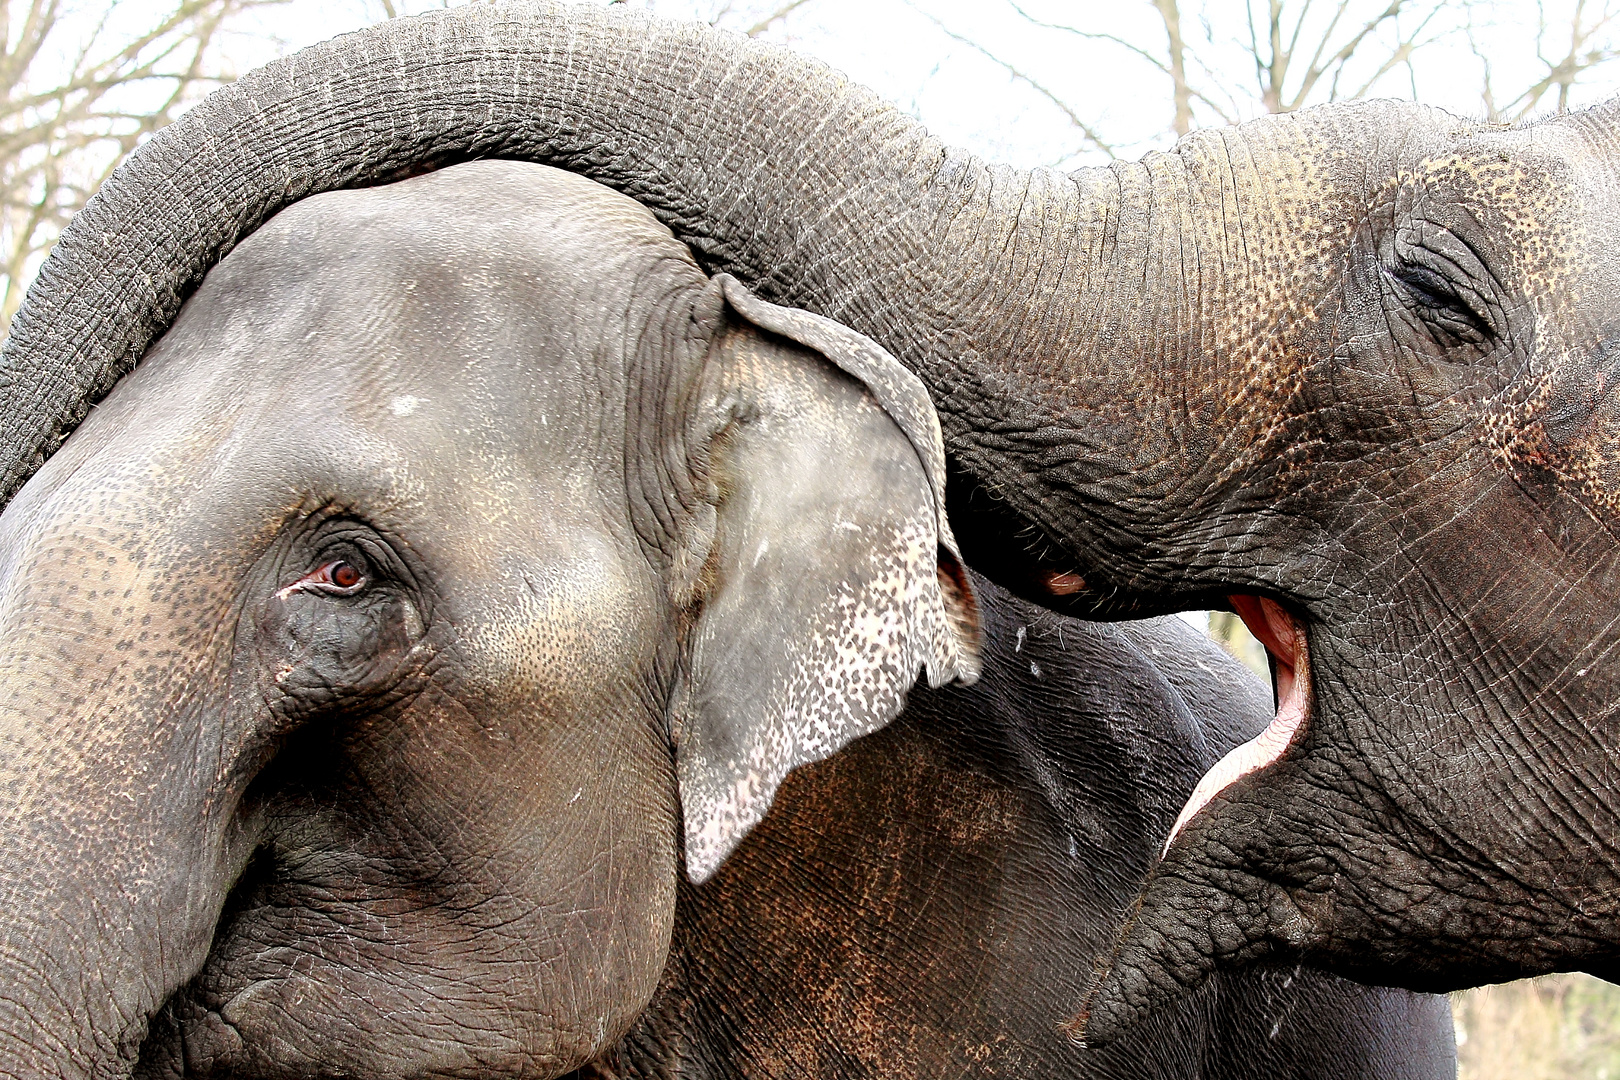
x=904, y=50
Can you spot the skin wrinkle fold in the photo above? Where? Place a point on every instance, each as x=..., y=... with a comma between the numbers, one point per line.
x=1298, y=384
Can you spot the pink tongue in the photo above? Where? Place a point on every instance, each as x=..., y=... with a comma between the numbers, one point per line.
x=1276, y=630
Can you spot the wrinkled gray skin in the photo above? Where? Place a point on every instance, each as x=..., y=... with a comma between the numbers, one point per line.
x=368, y=646
x=925, y=904
x=1356, y=359
x=347, y=644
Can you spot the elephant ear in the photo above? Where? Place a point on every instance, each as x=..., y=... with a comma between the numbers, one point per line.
x=828, y=576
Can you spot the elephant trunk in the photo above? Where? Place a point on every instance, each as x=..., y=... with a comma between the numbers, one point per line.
x=120, y=831
x=113, y=872
x=89, y=957
x=1049, y=314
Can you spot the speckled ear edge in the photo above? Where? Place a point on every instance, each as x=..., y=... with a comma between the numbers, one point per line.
x=835, y=579
x=905, y=398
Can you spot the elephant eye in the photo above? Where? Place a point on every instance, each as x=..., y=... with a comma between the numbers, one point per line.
x=336, y=578
x=1440, y=304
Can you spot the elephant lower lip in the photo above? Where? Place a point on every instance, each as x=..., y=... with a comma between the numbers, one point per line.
x=1283, y=635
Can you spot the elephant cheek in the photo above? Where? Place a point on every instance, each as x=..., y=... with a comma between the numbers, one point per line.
x=534, y=969
x=414, y=1022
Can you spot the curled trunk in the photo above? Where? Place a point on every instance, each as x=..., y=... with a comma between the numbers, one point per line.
x=1033, y=303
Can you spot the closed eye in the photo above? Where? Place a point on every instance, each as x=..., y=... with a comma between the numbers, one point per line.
x=1440, y=305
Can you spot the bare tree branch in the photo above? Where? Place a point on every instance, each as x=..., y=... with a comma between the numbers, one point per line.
x=1182, y=88
x=775, y=17
x=1087, y=132
x=76, y=96
x=1585, y=51
x=1401, y=54
x=1170, y=14
x=1092, y=35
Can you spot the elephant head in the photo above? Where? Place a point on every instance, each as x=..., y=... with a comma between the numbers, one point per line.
x=1347, y=370
x=369, y=646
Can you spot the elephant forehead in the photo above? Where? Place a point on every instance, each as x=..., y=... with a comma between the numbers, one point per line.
x=451, y=374
x=481, y=326
x=535, y=234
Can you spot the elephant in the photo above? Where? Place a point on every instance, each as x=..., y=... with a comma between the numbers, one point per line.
x=1345, y=371
x=461, y=564
x=931, y=899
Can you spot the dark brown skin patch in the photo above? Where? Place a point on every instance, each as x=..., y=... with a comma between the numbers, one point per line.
x=927, y=904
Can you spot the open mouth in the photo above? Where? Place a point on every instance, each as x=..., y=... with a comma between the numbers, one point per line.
x=1283, y=635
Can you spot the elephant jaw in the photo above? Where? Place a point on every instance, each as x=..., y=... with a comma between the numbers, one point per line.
x=1283, y=635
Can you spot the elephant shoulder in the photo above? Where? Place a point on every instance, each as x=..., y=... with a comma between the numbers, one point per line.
x=1102, y=718
x=1229, y=703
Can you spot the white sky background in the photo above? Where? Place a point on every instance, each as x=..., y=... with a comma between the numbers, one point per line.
x=899, y=48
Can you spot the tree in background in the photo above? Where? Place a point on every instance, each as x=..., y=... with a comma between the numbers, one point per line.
x=1214, y=63
x=82, y=86
x=1567, y=49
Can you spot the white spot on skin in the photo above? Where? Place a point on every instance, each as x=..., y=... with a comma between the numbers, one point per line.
x=848, y=526
x=1035, y=669
x=1018, y=646
x=413, y=624
x=405, y=404
x=575, y=797
x=764, y=546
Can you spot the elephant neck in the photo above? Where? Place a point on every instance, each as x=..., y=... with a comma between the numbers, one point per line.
x=856, y=932
x=928, y=902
